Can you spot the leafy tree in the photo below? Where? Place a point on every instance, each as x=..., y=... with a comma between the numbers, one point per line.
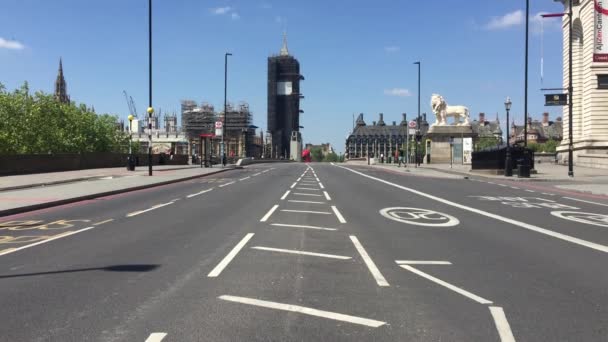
x=486, y=142
x=316, y=154
x=331, y=157
x=34, y=124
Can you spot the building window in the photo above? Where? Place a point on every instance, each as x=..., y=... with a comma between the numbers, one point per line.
x=602, y=81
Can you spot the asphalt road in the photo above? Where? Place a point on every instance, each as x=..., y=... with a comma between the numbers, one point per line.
x=292, y=252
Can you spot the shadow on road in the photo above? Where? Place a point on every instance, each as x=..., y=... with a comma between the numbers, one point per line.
x=113, y=268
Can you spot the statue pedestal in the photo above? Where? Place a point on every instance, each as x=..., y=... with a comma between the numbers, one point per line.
x=439, y=137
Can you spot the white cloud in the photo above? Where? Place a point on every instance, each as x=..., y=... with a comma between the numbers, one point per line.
x=10, y=44
x=391, y=48
x=235, y=16
x=508, y=20
x=221, y=10
x=397, y=92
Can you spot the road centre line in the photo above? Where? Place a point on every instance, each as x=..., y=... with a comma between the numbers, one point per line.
x=304, y=310
x=311, y=202
x=226, y=184
x=293, y=185
x=502, y=325
x=326, y=195
x=528, y=190
x=156, y=337
x=228, y=258
x=102, y=222
x=520, y=224
x=422, y=262
x=456, y=289
x=199, y=193
x=307, y=189
x=55, y=237
x=242, y=179
x=285, y=196
x=291, y=251
x=515, y=188
x=321, y=185
x=380, y=280
x=303, y=194
x=135, y=213
x=590, y=202
x=306, y=211
x=301, y=226
x=175, y=200
x=337, y=212
x=269, y=213
x=256, y=174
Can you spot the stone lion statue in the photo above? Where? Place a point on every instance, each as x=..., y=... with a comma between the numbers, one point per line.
x=442, y=111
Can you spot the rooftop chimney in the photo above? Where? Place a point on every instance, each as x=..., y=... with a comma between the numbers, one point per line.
x=404, y=120
x=482, y=117
x=374, y=123
x=381, y=121
x=545, y=119
x=394, y=123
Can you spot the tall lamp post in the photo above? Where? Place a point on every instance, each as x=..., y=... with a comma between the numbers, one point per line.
x=418, y=118
x=223, y=148
x=508, y=167
x=130, y=162
x=150, y=109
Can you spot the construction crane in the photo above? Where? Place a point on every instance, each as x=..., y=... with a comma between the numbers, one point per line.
x=130, y=104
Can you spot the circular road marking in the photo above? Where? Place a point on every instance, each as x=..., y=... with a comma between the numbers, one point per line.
x=588, y=218
x=419, y=217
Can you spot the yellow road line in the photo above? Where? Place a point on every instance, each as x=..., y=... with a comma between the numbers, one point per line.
x=102, y=222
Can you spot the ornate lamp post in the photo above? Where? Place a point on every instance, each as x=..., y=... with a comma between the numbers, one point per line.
x=508, y=167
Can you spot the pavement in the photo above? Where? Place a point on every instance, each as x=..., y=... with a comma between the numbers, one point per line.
x=311, y=252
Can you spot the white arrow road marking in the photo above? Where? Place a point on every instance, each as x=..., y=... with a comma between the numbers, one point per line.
x=220, y=267
x=156, y=337
x=502, y=325
x=291, y=251
x=564, y=237
x=269, y=213
x=304, y=310
x=380, y=280
x=446, y=284
x=301, y=226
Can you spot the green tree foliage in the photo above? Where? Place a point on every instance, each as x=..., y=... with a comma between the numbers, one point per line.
x=316, y=154
x=331, y=157
x=549, y=146
x=32, y=124
x=486, y=142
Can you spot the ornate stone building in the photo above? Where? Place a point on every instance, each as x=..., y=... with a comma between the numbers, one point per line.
x=590, y=83
x=61, y=87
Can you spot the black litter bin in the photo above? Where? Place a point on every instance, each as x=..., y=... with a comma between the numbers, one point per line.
x=130, y=163
x=523, y=168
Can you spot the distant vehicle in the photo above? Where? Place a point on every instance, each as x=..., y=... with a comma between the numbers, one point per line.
x=306, y=156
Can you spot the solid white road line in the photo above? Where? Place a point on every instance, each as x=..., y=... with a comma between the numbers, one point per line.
x=580, y=200
x=514, y=187
x=256, y=174
x=291, y=251
x=226, y=184
x=326, y=195
x=304, y=310
x=305, y=211
x=285, y=196
x=568, y=238
x=380, y=280
x=156, y=337
x=446, y=284
x=303, y=194
x=321, y=185
x=312, y=202
x=135, y=213
x=242, y=179
x=422, y=262
x=102, y=222
x=228, y=258
x=300, y=226
x=59, y=236
x=269, y=213
x=504, y=185
x=502, y=325
x=307, y=189
x=293, y=185
x=340, y=217
x=299, y=179
x=199, y=193
x=530, y=191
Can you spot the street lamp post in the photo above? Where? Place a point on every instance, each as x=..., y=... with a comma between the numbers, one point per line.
x=150, y=109
x=508, y=168
x=418, y=118
x=223, y=148
x=130, y=163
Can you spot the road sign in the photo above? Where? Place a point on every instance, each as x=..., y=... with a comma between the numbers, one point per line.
x=412, y=124
x=412, y=131
x=219, y=125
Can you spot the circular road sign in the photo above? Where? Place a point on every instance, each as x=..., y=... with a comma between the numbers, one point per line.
x=412, y=124
x=419, y=217
x=219, y=124
x=588, y=218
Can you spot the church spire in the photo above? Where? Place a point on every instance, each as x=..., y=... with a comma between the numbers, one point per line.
x=61, y=92
x=284, y=51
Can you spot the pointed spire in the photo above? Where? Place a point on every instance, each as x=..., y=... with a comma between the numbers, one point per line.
x=284, y=51
x=61, y=93
x=497, y=120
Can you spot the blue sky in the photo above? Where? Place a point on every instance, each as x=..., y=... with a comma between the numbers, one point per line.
x=356, y=55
